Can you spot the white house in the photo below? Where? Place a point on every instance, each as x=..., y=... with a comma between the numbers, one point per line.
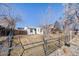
x=33, y=30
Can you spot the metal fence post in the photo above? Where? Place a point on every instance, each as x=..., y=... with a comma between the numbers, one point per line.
x=45, y=46
x=10, y=37
x=59, y=42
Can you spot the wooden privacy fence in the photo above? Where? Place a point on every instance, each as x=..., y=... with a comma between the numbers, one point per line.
x=5, y=31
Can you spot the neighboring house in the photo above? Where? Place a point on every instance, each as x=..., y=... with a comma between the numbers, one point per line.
x=33, y=30
x=52, y=29
x=20, y=28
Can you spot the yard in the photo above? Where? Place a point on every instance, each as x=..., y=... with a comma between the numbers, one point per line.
x=32, y=44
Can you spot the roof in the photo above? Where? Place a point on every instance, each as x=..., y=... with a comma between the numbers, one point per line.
x=33, y=27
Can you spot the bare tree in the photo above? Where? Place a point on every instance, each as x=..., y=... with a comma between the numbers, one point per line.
x=7, y=13
x=47, y=17
x=71, y=13
x=71, y=16
x=9, y=20
x=57, y=26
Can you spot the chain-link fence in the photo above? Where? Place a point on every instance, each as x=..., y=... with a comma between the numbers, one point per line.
x=36, y=48
x=17, y=46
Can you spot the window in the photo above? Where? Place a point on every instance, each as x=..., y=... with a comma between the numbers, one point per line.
x=31, y=30
x=35, y=30
x=40, y=30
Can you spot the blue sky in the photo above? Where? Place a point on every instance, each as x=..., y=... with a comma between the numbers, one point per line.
x=32, y=14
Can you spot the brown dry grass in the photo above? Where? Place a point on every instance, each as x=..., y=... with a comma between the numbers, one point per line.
x=27, y=39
